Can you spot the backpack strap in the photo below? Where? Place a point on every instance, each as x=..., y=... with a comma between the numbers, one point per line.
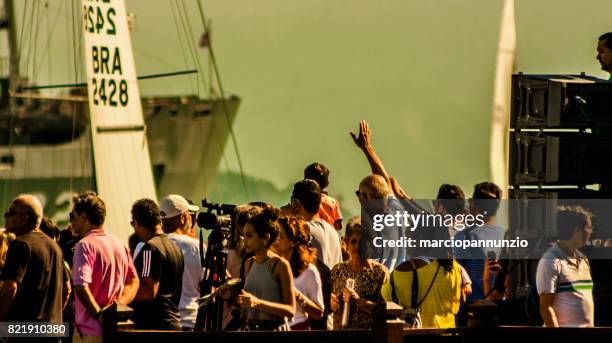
x=415, y=288
x=393, y=295
x=430, y=285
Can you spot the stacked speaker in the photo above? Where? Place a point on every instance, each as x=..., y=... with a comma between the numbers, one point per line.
x=561, y=154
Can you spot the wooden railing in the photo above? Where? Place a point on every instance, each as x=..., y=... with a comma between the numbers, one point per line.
x=387, y=328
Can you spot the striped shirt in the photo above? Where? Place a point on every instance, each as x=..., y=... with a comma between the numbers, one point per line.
x=570, y=280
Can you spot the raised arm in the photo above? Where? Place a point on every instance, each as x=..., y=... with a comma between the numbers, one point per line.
x=364, y=142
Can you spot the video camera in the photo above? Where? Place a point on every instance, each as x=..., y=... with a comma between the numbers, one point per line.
x=218, y=219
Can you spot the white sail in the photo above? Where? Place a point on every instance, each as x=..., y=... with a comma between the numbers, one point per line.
x=499, y=153
x=121, y=156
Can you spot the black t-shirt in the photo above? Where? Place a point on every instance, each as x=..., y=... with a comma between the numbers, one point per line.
x=35, y=261
x=161, y=260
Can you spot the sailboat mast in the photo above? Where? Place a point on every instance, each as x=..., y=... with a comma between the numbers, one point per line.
x=9, y=8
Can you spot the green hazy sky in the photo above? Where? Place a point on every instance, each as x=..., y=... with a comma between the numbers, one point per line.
x=420, y=71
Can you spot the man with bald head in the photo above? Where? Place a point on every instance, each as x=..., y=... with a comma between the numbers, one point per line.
x=32, y=278
x=376, y=198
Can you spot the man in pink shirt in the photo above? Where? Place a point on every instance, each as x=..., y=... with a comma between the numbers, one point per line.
x=103, y=271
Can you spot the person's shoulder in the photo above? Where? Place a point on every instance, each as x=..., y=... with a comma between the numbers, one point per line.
x=338, y=268
x=461, y=234
x=19, y=244
x=154, y=244
x=329, y=200
x=551, y=259
x=487, y=229
x=379, y=267
x=277, y=261
x=312, y=271
x=183, y=239
x=553, y=255
x=318, y=227
x=48, y=242
x=394, y=203
x=325, y=225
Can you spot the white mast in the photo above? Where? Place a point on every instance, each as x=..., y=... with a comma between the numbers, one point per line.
x=499, y=153
x=121, y=155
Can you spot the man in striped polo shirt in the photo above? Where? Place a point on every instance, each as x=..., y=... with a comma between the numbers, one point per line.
x=563, y=276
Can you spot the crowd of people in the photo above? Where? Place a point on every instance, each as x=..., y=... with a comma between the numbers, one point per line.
x=298, y=272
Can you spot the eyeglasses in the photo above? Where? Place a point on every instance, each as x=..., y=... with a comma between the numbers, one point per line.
x=359, y=194
x=11, y=213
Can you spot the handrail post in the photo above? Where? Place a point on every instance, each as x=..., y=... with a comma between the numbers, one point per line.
x=116, y=318
x=387, y=327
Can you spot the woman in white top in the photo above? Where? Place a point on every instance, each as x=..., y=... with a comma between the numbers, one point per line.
x=293, y=243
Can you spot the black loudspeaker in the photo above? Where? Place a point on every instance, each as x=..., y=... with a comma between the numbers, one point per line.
x=560, y=158
x=533, y=212
x=560, y=101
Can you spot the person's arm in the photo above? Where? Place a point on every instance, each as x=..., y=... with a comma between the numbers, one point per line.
x=88, y=301
x=148, y=264
x=8, y=291
x=147, y=289
x=13, y=273
x=132, y=282
x=363, y=303
x=287, y=307
x=311, y=300
x=314, y=310
x=547, y=274
x=547, y=311
x=129, y=291
x=67, y=289
x=364, y=142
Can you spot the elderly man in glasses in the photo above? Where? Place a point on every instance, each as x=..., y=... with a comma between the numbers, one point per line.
x=26, y=293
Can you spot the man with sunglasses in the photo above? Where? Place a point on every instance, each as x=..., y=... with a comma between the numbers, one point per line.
x=28, y=294
x=376, y=198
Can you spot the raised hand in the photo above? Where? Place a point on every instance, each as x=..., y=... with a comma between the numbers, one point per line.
x=365, y=135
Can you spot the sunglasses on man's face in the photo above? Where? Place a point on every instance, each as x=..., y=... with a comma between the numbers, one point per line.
x=11, y=213
x=360, y=194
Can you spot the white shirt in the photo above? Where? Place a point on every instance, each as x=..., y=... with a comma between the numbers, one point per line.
x=570, y=281
x=327, y=242
x=309, y=284
x=192, y=275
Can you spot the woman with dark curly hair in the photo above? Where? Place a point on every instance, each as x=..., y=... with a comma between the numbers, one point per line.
x=368, y=276
x=293, y=244
x=267, y=299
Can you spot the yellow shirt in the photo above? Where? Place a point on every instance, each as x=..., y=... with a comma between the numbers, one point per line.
x=441, y=304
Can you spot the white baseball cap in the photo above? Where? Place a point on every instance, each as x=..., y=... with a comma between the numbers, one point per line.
x=173, y=205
